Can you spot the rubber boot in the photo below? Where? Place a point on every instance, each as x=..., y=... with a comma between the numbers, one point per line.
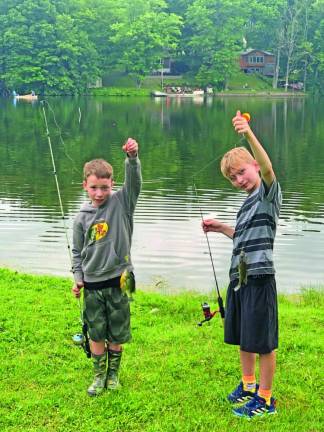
x=99, y=382
x=114, y=359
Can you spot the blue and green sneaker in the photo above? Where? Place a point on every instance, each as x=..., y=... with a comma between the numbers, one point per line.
x=240, y=395
x=256, y=407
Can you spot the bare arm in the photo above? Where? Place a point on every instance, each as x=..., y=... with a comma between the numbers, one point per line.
x=242, y=127
x=214, y=225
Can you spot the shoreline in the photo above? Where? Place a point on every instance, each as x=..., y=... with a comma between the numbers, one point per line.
x=148, y=289
x=143, y=92
x=149, y=92
x=260, y=94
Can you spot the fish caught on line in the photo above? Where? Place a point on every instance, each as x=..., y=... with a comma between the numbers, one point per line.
x=127, y=283
x=242, y=270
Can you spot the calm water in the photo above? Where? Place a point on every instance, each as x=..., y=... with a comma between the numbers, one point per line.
x=178, y=138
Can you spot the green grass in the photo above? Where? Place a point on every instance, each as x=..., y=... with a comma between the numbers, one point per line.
x=126, y=87
x=124, y=81
x=250, y=82
x=175, y=375
x=120, y=91
x=120, y=84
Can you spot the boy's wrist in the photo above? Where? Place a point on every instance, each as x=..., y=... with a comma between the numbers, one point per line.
x=132, y=155
x=249, y=134
x=78, y=277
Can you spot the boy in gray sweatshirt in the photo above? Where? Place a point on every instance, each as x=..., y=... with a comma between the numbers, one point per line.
x=102, y=234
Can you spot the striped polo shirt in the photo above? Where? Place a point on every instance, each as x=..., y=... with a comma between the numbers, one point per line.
x=255, y=230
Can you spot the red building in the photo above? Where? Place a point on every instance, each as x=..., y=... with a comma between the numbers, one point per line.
x=259, y=61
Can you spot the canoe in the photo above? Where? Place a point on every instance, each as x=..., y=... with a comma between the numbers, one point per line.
x=26, y=97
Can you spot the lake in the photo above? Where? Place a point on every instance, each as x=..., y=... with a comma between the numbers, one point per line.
x=179, y=139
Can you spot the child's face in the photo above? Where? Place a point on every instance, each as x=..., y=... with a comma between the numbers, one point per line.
x=246, y=176
x=98, y=189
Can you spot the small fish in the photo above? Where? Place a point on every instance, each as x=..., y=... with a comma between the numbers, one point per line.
x=127, y=283
x=242, y=269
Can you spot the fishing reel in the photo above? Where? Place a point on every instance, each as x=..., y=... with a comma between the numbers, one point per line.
x=207, y=313
x=82, y=340
x=78, y=339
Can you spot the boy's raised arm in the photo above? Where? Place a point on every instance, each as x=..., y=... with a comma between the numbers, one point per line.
x=242, y=126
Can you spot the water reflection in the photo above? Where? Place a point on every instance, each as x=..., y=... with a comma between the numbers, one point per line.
x=178, y=138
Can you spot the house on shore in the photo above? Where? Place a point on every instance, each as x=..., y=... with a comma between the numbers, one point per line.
x=253, y=60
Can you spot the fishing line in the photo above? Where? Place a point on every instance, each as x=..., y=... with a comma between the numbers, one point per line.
x=205, y=306
x=74, y=168
x=219, y=298
x=207, y=239
x=59, y=197
x=206, y=309
x=218, y=157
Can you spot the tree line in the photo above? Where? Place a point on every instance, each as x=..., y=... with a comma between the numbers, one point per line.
x=61, y=46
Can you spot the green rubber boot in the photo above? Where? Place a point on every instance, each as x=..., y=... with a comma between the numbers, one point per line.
x=114, y=359
x=99, y=383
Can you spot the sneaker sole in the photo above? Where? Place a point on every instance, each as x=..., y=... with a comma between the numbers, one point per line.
x=255, y=415
x=239, y=402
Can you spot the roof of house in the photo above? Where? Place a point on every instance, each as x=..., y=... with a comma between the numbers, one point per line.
x=250, y=50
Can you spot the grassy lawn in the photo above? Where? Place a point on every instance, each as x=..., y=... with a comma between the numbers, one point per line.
x=175, y=375
x=120, y=84
x=250, y=82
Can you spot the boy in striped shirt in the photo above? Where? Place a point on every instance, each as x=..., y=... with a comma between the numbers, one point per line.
x=251, y=319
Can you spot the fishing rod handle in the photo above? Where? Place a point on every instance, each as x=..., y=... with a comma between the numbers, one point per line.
x=221, y=307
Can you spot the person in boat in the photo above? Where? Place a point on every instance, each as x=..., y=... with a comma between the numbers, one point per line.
x=251, y=317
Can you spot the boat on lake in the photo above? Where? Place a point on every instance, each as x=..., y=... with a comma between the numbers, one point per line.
x=193, y=93
x=28, y=97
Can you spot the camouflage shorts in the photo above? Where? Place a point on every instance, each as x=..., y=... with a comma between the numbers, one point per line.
x=107, y=313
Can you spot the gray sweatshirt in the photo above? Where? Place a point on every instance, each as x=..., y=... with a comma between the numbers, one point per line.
x=102, y=235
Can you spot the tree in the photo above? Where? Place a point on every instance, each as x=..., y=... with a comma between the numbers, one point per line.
x=43, y=49
x=315, y=48
x=142, y=36
x=215, y=40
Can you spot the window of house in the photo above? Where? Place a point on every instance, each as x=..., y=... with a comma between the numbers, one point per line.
x=256, y=59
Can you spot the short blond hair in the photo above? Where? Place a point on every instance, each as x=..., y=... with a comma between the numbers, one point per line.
x=234, y=158
x=99, y=168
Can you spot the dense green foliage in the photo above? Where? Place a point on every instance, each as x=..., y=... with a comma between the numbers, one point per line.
x=57, y=46
x=175, y=375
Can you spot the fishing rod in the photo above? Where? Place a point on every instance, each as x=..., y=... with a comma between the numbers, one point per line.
x=208, y=315
x=205, y=306
x=80, y=339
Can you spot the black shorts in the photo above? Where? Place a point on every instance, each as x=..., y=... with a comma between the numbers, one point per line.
x=251, y=317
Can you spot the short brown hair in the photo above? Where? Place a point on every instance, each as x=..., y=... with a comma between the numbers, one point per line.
x=234, y=158
x=98, y=167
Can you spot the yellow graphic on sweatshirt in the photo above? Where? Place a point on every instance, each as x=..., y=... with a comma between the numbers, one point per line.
x=98, y=231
